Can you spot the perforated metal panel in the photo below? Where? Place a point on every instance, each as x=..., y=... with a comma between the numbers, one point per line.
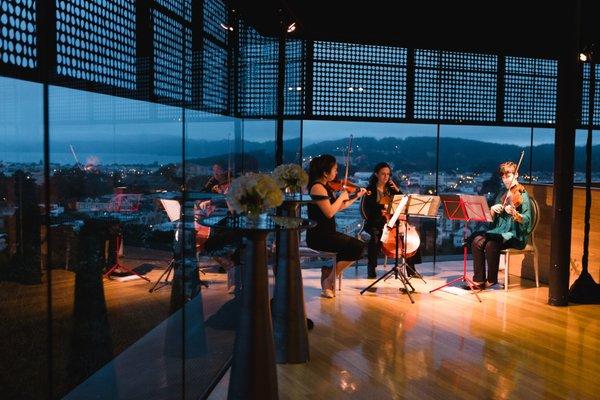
x=530, y=90
x=182, y=8
x=586, y=94
x=295, y=78
x=214, y=78
x=215, y=14
x=95, y=41
x=172, y=44
x=353, y=80
x=18, y=43
x=258, y=60
x=455, y=86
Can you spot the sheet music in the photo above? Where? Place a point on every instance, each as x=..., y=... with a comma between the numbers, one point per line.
x=173, y=209
x=398, y=210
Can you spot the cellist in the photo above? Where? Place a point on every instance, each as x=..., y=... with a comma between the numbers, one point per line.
x=380, y=192
x=511, y=227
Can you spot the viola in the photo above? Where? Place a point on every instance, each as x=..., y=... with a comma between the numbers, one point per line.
x=515, y=197
x=514, y=193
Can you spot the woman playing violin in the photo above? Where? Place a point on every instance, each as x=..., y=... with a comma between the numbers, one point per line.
x=381, y=190
x=324, y=236
x=510, y=229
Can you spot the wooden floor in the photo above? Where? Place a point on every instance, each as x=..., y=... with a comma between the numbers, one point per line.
x=512, y=345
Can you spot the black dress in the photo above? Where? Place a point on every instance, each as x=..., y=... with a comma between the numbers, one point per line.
x=325, y=237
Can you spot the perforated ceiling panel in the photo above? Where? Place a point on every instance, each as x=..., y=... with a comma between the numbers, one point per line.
x=215, y=21
x=352, y=80
x=95, y=41
x=182, y=8
x=585, y=96
x=455, y=86
x=257, y=62
x=172, y=47
x=295, y=78
x=214, y=78
x=530, y=90
x=18, y=33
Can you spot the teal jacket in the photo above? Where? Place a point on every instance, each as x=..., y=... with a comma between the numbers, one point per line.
x=517, y=234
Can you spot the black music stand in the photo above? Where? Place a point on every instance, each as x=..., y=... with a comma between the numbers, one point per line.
x=406, y=205
x=466, y=208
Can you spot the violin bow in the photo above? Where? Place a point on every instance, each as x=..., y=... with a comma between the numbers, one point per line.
x=347, y=162
x=512, y=181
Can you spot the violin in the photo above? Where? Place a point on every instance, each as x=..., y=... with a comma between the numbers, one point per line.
x=338, y=185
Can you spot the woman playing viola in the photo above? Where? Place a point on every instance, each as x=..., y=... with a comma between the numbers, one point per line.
x=510, y=229
x=380, y=191
x=324, y=236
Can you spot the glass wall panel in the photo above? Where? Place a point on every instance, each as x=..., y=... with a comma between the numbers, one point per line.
x=580, y=157
x=409, y=149
x=210, y=318
x=542, y=160
x=113, y=163
x=292, y=141
x=469, y=159
x=23, y=243
x=258, y=145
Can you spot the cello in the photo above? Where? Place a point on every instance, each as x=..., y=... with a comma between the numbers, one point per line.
x=409, y=240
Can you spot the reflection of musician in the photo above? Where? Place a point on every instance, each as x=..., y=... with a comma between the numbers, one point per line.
x=382, y=189
x=511, y=228
x=324, y=236
x=219, y=179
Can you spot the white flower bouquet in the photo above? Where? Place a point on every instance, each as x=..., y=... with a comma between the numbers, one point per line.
x=290, y=176
x=253, y=194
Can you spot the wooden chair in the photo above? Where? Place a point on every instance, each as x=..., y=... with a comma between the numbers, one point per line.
x=530, y=248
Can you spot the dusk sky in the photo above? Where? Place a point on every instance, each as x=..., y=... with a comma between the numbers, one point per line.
x=78, y=115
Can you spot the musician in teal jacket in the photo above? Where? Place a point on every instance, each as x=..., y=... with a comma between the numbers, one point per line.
x=511, y=228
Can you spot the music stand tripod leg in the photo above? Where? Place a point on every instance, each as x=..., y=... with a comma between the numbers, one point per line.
x=165, y=274
x=398, y=274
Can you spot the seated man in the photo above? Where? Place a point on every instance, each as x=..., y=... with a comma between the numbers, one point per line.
x=510, y=229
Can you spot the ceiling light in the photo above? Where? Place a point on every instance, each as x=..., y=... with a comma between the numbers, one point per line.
x=291, y=27
x=226, y=27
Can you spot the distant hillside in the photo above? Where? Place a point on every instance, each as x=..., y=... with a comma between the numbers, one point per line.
x=407, y=154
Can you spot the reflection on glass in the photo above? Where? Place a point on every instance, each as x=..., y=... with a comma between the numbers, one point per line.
x=580, y=157
x=24, y=258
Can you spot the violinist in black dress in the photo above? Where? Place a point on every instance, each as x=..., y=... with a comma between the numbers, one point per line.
x=324, y=236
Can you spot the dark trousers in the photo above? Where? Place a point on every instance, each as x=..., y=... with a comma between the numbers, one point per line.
x=373, y=247
x=486, y=248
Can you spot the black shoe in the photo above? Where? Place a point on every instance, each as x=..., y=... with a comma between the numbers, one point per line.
x=493, y=286
x=371, y=275
x=476, y=286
